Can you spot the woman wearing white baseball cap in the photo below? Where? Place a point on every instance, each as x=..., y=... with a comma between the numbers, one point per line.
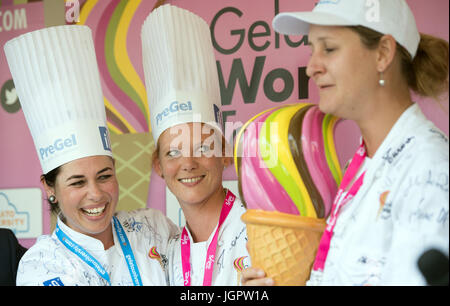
x=184, y=100
x=57, y=80
x=393, y=202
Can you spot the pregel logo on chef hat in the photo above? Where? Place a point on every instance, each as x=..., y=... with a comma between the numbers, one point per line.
x=71, y=141
x=172, y=109
x=64, y=144
x=57, y=146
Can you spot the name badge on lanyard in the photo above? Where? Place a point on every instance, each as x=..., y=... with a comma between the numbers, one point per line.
x=324, y=246
x=97, y=266
x=211, y=253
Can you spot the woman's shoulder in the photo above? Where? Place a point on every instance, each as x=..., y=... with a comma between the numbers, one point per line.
x=148, y=215
x=146, y=219
x=141, y=213
x=46, y=248
x=422, y=147
x=44, y=244
x=429, y=139
x=430, y=152
x=416, y=137
x=45, y=258
x=433, y=141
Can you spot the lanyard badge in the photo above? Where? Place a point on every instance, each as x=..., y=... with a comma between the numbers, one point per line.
x=211, y=253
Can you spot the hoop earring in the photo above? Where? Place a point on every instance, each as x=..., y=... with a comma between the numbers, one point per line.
x=382, y=82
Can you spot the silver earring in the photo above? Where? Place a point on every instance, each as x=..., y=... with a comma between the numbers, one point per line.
x=52, y=199
x=381, y=81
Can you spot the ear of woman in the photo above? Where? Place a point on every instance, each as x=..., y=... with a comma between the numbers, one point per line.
x=387, y=49
x=50, y=191
x=157, y=167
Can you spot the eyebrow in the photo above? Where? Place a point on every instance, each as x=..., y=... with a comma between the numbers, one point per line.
x=78, y=176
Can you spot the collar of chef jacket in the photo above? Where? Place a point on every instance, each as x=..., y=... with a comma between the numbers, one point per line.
x=88, y=243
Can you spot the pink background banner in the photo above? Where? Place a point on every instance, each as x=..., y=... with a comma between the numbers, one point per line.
x=258, y=69
x=19, y=164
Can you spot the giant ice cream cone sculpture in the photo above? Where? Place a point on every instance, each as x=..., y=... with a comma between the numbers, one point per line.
x=288, y=174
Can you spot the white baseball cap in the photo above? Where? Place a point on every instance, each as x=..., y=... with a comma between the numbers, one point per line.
x=57, y=81
x=392, y=17
x=180, y=70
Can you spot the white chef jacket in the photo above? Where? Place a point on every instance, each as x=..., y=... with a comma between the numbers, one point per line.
x=49, y=262
x=231, y=245
x=378, y=242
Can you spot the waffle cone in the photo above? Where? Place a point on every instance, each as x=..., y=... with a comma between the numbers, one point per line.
x=283, y=245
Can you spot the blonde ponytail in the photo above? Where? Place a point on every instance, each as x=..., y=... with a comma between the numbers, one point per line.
x=427, y=74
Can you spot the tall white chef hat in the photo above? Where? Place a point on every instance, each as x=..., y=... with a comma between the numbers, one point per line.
x=180, y=70
x=57, y=81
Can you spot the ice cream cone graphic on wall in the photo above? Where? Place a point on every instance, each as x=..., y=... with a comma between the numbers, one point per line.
x=132, y=154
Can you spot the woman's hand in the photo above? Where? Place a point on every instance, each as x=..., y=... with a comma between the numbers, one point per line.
x=255, y=277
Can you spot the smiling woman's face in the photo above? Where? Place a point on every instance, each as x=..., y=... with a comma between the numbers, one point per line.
x=87, y=192
x=191, y=166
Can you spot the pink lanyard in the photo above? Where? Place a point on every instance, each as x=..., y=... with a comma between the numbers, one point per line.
x=351, y=172
x=211, y=253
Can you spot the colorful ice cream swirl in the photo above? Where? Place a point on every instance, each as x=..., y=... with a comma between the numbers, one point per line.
x=286, y=161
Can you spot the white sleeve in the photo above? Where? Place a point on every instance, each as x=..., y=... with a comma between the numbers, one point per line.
x=421, y=221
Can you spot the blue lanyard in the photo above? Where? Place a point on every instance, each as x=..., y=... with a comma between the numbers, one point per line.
x=128, y=253
x=93, y=263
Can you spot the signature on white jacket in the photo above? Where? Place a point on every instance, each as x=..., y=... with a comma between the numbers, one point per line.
x=400, y=211
x=50, y=263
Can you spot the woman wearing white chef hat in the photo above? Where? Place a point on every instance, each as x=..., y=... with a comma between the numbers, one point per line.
x=393, y=204
x=57, y=80
x=184, y=99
